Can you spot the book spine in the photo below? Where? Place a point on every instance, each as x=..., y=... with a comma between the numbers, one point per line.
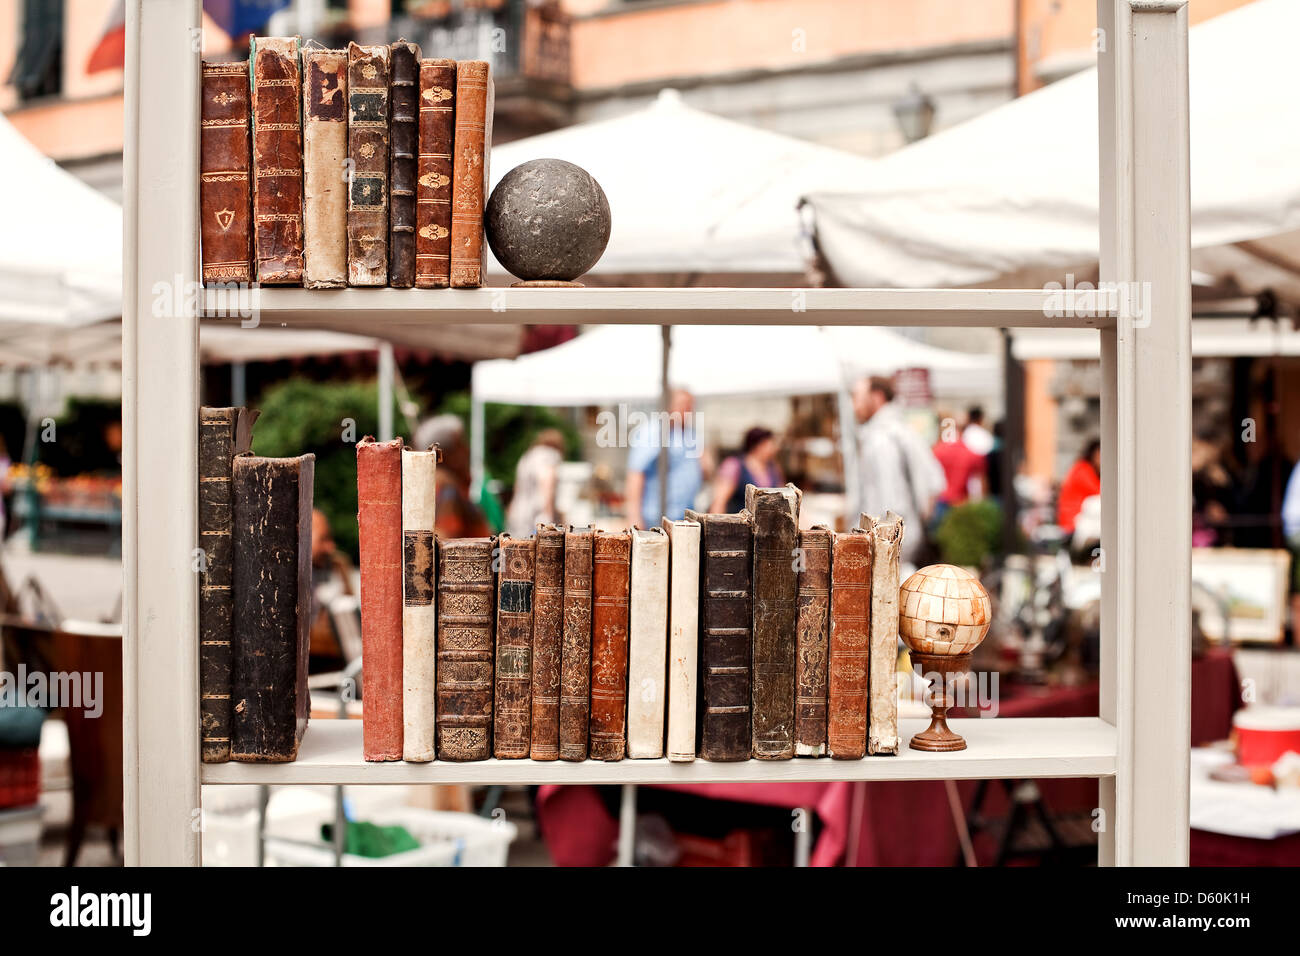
x=882, y=725
x=648, y=645
x=512, y=711
x=216, y=603
x=403, y=146
x=611, y=558
x=812, y=637
x=725, y=635
x=419, y=612
x=548, y=630
x=683, y=636
x=465, y=600
x=379, y=521
x=846, y=717
x=225, y=157
x=434, y=169
x=473, y=139
x=272, y=598
x=776, y=582
x=368, y=165
x=277, y=160
x=324, y=168
x=575, y=649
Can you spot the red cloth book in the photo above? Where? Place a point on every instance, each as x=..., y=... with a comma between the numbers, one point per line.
x=379, y=520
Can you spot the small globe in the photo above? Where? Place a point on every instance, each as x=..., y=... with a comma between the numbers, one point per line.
x=944, y=610
x=547, y=220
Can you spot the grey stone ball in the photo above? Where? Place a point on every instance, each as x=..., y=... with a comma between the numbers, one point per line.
x=547, y=219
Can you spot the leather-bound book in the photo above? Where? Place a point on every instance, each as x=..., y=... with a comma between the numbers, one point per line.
x=469, y=187
x=726, y=548
x=419, y=612
x=683, y=635
x=223, y=434
x=575, y=645
x=272, y=536
x=548, y=631
x=776, y=583
x=465, y=599
x=882, y=721
x=324, y=168
x=225, y=190
x=812, y=637
x=368, y=164
x=434, y=171
x=379, y=525
x=846, y=713
x=512, y=707
x=403, y=145
x=647, y=666
x=611, y=559
x=277, y=160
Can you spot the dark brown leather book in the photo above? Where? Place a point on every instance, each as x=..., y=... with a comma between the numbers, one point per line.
x=726, y=620
x=277, y=160
x=434, y=168
x=548, y=631
x=776, y=583
x=272, y=536
x=225, y=189
x=223, y=434
x=404, y=132
x=812, y=642
x=324, y=168
x=368, y=164
x=611, y=566
x=846, y=716
x=575, y=648
x=512, y=709
x=470, y=184
x=465, y=597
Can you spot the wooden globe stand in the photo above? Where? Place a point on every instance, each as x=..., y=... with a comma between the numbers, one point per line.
x=938, y=738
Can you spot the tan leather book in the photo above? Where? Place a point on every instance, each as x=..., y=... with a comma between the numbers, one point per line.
x=434, y=171
x=512, y=707
x=324, y=168
x=647, y=665
x=464, y=696
x=225, y=190
x=368, y=165
x=846, y=716
x=470, y=184
x=611, y=558
x=776, y=583
x=548, y=630
x=683, y=635
x=575, y=649
x=403, y=145
x=277, y=160
x=887, y=543
x=812, y=636
x=419, y=610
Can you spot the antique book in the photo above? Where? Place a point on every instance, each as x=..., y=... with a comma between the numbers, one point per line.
x=324, y=168
x=611, y=559
x=403, y=145
x=419, y=612
x=683, y=635
x=277, y=160
x=882, y=681
x=469, y=187
x=725, y=635
x=812, y=636
x=548, y=630
x=379, y=528
x=647, y=667
x=465, y=599
x=223, y=434
x=846, y=705
x=272, y=534
x=776, y=583
x=434, y=170
x=368, y=165
x=575, y=644
x=512, y=707
x=225, y=157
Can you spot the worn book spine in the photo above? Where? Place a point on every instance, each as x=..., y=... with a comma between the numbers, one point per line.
x=434, y=171
x=548, y=630
x=379, y=527
x=683, y=635
x=812, y=636
x=469, y=189
x=419, y=612
x=225, y=158
x=611, y=560
x=575, y=647
x=324, y=168
x=726, y=549
x=647, y=667
x=465, y=600
x=776, y=584
x=272, y=533
x=403, y=145
x=512, y=709
x=882, y=723
x=277, y=160
x=368, y=165
x=846, y=710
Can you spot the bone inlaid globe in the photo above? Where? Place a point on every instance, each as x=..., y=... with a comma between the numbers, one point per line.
x=943, y=609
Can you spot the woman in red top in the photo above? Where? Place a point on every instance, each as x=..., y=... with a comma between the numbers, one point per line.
x=1082, y=481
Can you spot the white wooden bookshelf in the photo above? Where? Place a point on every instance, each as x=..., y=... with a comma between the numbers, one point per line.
x=1137, y=748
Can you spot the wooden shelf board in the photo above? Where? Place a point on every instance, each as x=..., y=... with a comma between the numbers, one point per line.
x=1008, y=747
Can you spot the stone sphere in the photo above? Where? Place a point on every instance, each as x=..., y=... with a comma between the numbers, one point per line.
x=547, y=219
x=943, y=609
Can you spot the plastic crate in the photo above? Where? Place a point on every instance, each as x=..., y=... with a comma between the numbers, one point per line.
x=20, y=777
x=447, y=839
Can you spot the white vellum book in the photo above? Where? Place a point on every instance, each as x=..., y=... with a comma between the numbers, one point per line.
x=647, y=644
x=683, y=635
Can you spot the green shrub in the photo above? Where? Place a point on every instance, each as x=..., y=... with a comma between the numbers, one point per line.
x=969, y=533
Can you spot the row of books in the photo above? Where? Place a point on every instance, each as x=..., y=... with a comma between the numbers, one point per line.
x=722, y=636
x=359, y=167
